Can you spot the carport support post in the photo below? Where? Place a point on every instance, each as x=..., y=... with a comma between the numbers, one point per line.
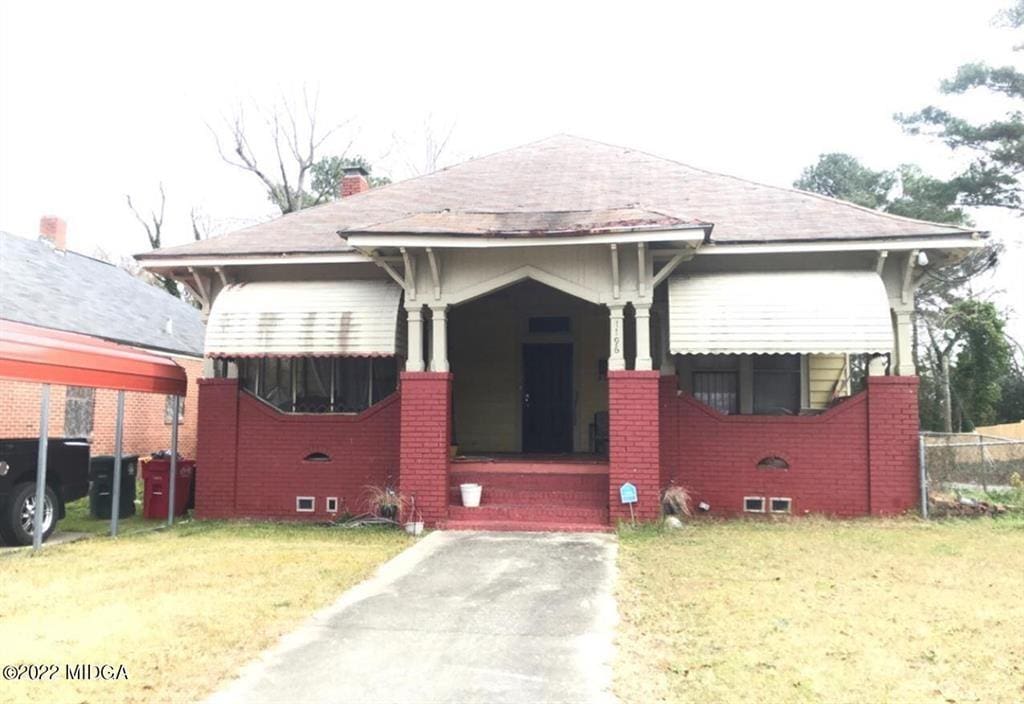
x=174, y=461
x=115, y=494
x=44, y=444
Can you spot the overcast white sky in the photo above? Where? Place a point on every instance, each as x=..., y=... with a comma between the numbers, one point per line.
x=101, y=99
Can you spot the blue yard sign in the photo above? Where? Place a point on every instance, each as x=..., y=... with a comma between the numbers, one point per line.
x=627, y=493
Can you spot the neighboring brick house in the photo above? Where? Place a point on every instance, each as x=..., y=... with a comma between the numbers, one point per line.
x=552, y=322
x=43, y=283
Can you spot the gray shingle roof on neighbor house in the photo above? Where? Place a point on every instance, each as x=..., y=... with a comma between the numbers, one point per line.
x=562, y=185
x=68, y=291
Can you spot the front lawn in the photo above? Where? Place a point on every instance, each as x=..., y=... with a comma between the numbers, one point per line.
x=811, y=610
x=181, y=609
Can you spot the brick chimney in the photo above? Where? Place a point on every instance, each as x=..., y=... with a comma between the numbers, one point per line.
x=54, y=230
x=354, y=181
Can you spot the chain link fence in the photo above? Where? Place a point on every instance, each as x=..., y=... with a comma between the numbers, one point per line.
x=968, y=474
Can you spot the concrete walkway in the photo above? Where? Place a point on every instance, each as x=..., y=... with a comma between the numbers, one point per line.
x=459, y=617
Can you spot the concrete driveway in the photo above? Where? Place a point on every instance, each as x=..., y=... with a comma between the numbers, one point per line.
x=459, y=617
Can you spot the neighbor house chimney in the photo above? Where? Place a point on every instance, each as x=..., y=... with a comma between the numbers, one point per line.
x=354, y=181
x=54, y=230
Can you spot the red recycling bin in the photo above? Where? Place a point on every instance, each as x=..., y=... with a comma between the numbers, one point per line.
x=156, y=473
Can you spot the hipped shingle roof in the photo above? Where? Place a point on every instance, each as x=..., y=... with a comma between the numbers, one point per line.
x=567, y=185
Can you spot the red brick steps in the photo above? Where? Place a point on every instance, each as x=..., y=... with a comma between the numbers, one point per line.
x=521, y=496
x=528, y=526
x=531, y=512
x=492, y=495
x=591, y=483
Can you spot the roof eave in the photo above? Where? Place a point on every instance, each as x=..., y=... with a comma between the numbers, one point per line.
x=159, y=262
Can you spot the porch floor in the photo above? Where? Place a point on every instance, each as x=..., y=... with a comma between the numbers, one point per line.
x=531, y=492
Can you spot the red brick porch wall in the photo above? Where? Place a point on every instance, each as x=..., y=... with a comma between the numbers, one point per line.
x=893, y=425
x=425, y=441
x=634, y=447
x=251, y=458
x=857, y=458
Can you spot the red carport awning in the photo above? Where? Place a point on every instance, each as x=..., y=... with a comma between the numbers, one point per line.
x=32, y=353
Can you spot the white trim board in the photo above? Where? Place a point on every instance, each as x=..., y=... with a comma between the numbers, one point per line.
x=851, y=246
x=693, y=235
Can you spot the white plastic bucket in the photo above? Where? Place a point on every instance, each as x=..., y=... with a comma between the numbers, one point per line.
x=414, y=527
x=471, y=494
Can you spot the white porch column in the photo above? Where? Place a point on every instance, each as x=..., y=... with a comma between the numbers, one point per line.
x=414, y=355
x=439, y=338
x=616, y=352
x=903, y=332
x=643, y=337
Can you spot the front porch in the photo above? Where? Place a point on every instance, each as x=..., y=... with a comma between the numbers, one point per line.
x=522, y=380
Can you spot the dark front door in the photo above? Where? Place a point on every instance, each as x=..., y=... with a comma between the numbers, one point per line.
x=547, y=398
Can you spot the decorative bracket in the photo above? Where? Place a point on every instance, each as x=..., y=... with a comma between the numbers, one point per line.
x=410, y=272
x=383, y=264
x=665, y=271
x=880, y=264
x=641, y=269
x=435, y=272
x=201, y=290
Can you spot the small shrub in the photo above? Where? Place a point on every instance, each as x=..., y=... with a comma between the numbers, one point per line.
x=676, y=502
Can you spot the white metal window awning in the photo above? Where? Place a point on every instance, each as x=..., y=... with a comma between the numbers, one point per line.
x=781, y=312
x=353, y=318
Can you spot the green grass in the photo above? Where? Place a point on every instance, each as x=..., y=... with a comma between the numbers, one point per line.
x=823, y=611
x=78, y=520
x=182, y=609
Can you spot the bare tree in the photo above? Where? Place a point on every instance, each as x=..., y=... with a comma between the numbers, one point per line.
x=296, y=141
x=201, y=225
x=154, y=229
x=156, y=221
x=433, y=144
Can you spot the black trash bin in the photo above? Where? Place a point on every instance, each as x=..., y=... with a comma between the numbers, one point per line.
x=101, y=485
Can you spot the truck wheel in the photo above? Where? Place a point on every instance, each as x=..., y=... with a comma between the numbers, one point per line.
x=19, y=511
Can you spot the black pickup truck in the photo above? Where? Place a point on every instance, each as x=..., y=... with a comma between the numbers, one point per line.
x=67, y=479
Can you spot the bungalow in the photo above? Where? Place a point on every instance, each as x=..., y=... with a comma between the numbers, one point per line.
x=552, y=322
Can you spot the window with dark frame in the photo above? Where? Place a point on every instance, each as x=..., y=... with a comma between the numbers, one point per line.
x=549, y=324
x=79, y=410
x=753, y=504
x=776, y=384
x=720, y=390
x=319, y=384
x=169, y=409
